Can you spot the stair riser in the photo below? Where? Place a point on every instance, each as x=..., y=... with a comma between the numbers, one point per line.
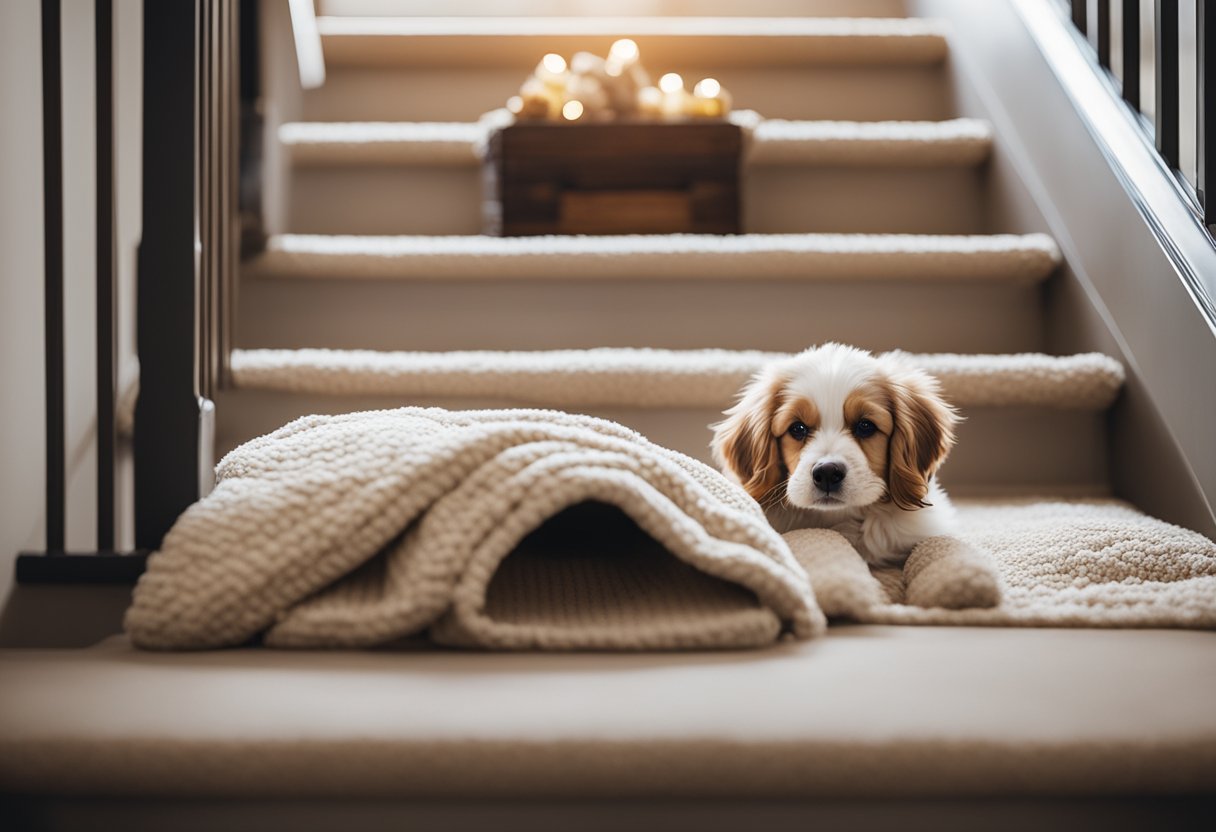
x=841, y=93
x=1000, y=450
x=776, y=199
x=865, y=200
x=682, y=314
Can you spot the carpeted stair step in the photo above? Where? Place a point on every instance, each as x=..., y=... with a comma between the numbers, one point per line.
x=774, y=292
x=452, y=69
x=708, y=42
x=959, y=142
x=1034, y=423
x=1038, y=721
x=652, y=377
x=800, y=176
x=773, y=8
x=1002, y=257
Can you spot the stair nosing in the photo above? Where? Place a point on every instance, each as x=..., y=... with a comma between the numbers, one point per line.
x=652, y=378
x=354, y=42
x=611, y=26
x=1020, y=258
x=959, y=142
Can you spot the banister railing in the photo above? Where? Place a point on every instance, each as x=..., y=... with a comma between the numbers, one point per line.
x=310, y=60
x=1177, y=114
x=186, y=273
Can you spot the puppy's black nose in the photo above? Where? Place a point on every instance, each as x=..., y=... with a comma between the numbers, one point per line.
x=828, y=476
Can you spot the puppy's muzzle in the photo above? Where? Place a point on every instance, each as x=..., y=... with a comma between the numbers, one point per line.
x=828, y=476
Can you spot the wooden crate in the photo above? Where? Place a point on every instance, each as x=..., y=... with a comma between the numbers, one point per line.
x=621, y=178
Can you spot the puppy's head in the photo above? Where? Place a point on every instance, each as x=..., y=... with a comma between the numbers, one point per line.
x=835, y=428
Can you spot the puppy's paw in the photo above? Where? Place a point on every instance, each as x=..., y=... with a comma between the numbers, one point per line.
x=947, y=572
x=840, y=579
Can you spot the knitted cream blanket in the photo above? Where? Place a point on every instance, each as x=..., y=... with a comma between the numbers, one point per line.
x=535, y=529
x=368, y=527
x=1049, y=563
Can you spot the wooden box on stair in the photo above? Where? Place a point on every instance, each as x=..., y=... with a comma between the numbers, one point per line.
x=618, y=178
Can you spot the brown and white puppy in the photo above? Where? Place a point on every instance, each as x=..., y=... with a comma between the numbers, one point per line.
x=835, y=437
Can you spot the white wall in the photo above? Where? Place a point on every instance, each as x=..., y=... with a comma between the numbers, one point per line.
x=22, y=427
x=1119, y=292
x=22, y=431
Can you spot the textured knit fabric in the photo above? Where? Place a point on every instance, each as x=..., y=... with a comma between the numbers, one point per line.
x=1055, y=563
x=653, y=377
x=364, y=528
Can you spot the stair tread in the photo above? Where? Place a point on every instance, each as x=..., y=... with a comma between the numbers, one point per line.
x=677, y=41
x=795, y=722
x=426, y=8
x=652, y=378
x=955, y=143
x=1007, y=257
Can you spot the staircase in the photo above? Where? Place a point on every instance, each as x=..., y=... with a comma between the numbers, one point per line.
x=868, y=220
x=877, y=213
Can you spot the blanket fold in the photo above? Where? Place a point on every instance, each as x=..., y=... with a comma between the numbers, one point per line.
x=528, y=529
x=498, y=529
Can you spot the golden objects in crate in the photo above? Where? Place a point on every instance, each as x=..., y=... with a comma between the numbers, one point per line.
x=594, y=89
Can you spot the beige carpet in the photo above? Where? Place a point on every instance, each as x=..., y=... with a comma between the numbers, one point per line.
x=957, y=142
x=937, y=257
x=652, y=377
x=717, y=42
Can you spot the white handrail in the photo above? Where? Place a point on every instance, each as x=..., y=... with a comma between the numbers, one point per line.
x=309, y=58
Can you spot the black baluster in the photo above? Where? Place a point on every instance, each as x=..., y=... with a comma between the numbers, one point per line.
x=52, y=178
x=1167, y=81
x=106, y=307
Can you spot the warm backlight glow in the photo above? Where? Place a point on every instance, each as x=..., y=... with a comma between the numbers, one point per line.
x=671, y=82
x=572, y=110
x=613, y=67
x=624, y=51
x=650, y=97
x=707, y=88
x=554, y=63
x=515, y=104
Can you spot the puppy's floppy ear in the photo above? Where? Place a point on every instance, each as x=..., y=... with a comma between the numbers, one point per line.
x=743, y=442
x=922, y=435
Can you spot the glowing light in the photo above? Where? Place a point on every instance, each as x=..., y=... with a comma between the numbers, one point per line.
x=572, y=110
x=707, y=88
x=554, y=63
x=613, y=67
x=624, y=51
x=650, y=99
x=515, y=104
x=671, y=82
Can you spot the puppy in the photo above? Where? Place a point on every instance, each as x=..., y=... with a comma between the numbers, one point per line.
x=835, y=437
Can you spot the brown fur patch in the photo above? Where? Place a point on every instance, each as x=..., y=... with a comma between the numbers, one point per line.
x=794, y=410
x=743, y=443
x=922, y=436
x=873, y=402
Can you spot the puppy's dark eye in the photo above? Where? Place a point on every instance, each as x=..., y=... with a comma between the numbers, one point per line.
x=798, y=431
x=864, y=429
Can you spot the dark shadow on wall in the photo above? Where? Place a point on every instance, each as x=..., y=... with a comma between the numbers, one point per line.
x=62, y=616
